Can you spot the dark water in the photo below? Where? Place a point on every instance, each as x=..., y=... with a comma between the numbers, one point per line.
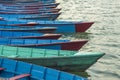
x=104, y=35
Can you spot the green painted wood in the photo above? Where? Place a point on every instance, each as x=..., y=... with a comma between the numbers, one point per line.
x=38, y=53
x=59, y=59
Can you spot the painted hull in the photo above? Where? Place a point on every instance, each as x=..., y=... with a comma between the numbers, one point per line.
x=35, y=4
x=23, y=5
x=70, y=64
x=59, y=59
x=35, y=10
x=45, y=44
x=73, y=45
x=16, y=70
x=28, y=35
x=52, y=16
x=41, y=1
x=28, y=7
x=48, y=36
x=40, y=30
x=62, y=26
x=77, y=27
x=27, y=16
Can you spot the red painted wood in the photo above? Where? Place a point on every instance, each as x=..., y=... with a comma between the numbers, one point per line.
x=2, y=69
x=76, y=45
x=19, y=76
x=42, y=37
x=82, y=27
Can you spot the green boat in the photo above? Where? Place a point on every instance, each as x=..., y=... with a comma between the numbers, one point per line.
x=58, y=59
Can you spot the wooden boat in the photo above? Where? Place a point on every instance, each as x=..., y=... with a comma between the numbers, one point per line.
x=24, y=7
x=62, y=26
x=51, y=16
x=40, y=30
x=46, y=44
x=58, y=59
x=37, y=3
x=28, y=14
x=16, y=1
x=17, y=70
x=35, y=10
x=28, y=35
x=30, y=5
x=1, y=19
x=34, y=16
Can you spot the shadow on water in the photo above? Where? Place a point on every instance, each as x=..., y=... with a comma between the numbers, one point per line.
x=84, y=35
x=77, y=36
x=83, y=74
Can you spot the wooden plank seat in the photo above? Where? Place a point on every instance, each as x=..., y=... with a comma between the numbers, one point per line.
x=2, y=69
x=17, y=70
x=20, y=76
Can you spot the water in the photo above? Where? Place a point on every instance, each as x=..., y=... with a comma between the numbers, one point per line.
x=104, y=35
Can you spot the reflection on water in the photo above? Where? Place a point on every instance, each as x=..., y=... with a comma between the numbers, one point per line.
x=75, y=36
x=103, y=36
x=84, y=74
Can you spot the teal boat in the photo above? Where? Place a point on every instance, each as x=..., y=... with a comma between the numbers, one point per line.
x=58, y=59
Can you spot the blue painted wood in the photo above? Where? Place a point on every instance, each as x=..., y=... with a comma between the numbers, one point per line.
x=29, y=41
x=56, y=47
x=43, y=1
x=62, y=26
x=13, y=68
x=16, y=27
x=42, y=16
x=10, y=66
x=4, y=41
x=40, y=22
x=34, y=42
x=8, y=34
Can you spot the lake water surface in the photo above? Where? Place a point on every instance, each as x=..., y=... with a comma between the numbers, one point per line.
x=103, y=36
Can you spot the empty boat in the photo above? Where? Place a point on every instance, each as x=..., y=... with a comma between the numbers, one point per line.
x=28, y=35
x=17, y=70
x=47, y=44
x=58, y=59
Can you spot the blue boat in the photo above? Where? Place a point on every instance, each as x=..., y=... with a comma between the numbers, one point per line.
x=24, y=5
x=28, y=35
x=40, y=30
x=28, y=10
x=27, y=7
x=50, y=16
x=18, y=70
x=30, y=15
x=14, y=1
x=47, y=44
x=62, y=26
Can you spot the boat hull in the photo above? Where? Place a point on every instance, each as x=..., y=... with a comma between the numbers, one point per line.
x=61, y=26
x=28, y=35
x=33, y=16
x=45, y=44
x=18, y=70
x=41, y=30
x=78, y=27
x=70, y=64
x=75, y=45
x=49, y=36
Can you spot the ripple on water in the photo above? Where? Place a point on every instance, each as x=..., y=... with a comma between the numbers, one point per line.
x=104, y=35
